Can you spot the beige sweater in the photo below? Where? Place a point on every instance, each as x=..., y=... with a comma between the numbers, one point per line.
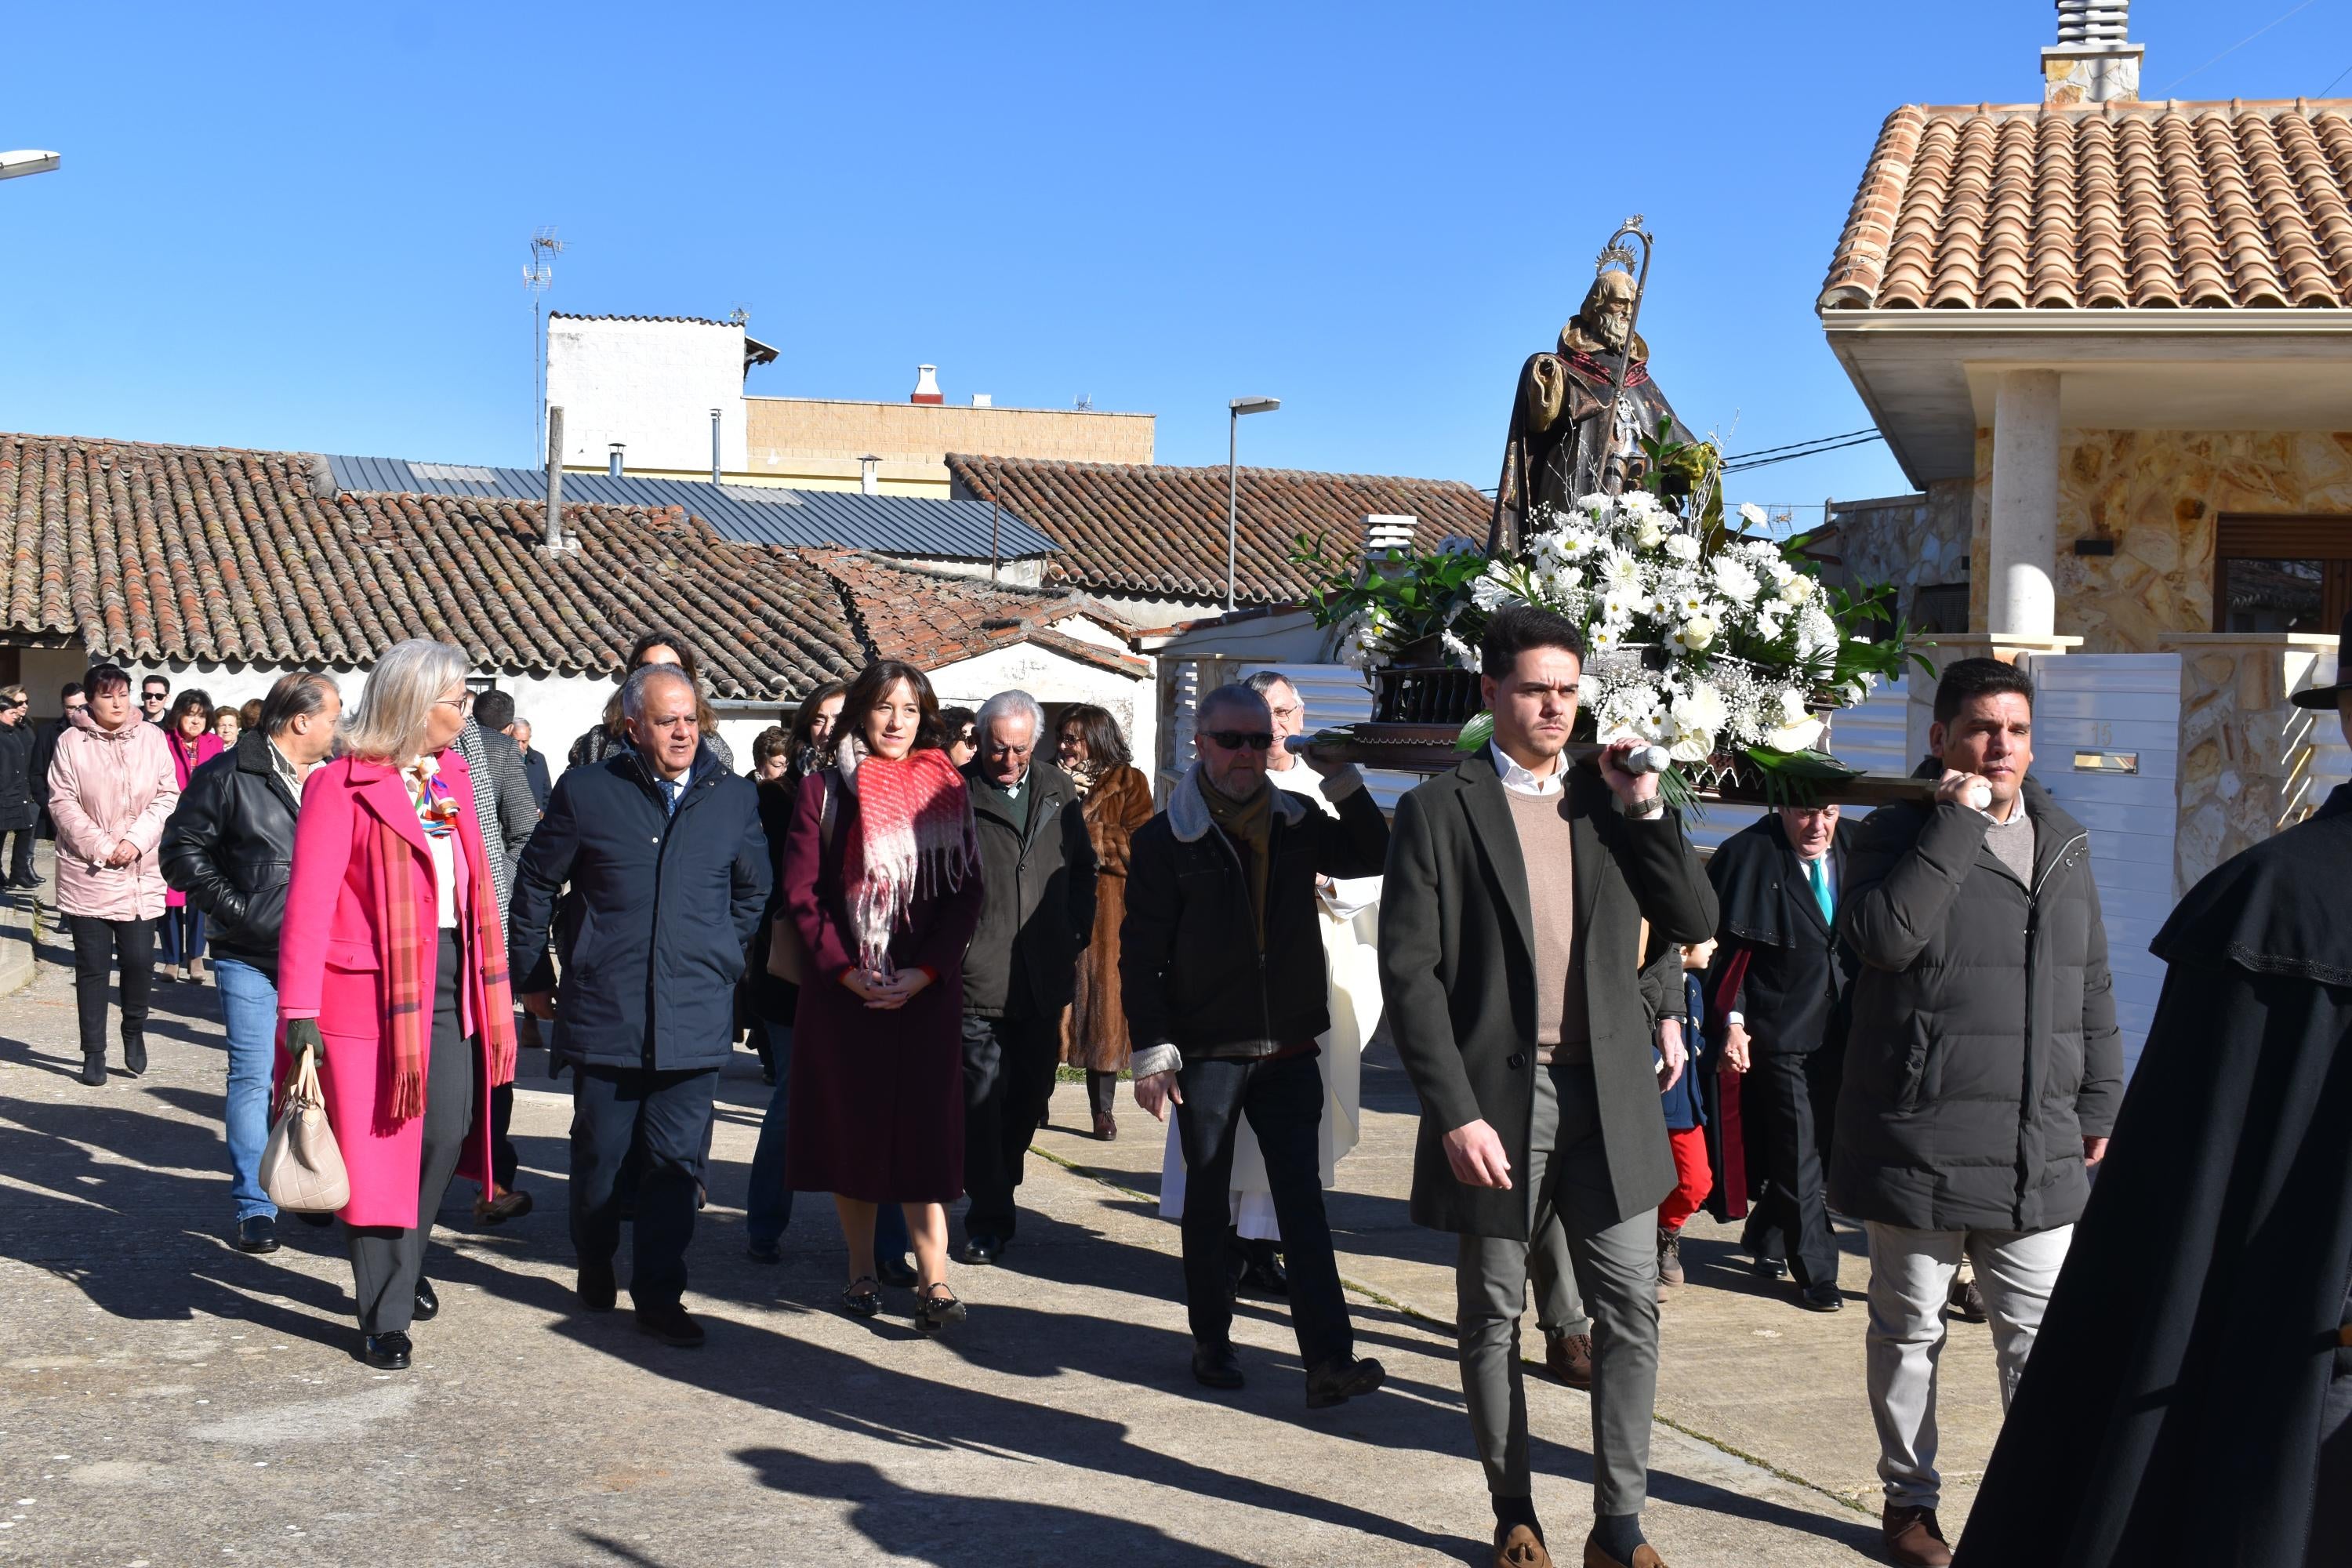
x=1547, y=845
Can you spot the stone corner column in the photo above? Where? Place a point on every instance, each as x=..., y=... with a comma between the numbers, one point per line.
x=1948, y=648
x=2244, y=769
x=2021, y=592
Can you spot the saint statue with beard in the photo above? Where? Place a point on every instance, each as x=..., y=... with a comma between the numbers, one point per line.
x=1564, y=442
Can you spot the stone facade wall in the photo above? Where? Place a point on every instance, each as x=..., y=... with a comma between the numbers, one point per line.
x=1912, y=541
x=2157, y=495
x=2246, y=754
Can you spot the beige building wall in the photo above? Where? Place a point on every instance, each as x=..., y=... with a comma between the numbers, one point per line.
x=814, y=443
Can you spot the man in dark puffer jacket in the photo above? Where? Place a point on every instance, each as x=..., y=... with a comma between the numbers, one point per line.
x=1983, y=1070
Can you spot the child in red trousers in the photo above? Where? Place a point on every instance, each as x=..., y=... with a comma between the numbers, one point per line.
x=1686, y=1121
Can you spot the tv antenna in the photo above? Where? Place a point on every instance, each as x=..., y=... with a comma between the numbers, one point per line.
x=538, y=274
x=740, y=316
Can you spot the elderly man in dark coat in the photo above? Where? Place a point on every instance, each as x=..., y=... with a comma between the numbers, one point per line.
x=18, y=809
x=663, y=848
x=1037, y=867
x=1982, y=1068
x=2189, y=1399
x=1222, y=972
x=1780, y=975
x=1511, y=938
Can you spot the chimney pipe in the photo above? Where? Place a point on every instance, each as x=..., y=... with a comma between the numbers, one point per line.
x=613, y=459
x=927, y=385
x=2094, y=60
x=714, y=445
x=555, y=478
x=869, y=475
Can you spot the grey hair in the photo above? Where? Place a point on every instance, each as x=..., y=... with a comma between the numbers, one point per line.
x=641, y=680
x=1011, y=705
x=1236, y=694
x=388, y=725
x=1264, y=681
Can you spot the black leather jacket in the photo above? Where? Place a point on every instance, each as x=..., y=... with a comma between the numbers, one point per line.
x=229, y=846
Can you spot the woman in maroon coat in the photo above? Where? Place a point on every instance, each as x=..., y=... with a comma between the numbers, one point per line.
x=881, y=873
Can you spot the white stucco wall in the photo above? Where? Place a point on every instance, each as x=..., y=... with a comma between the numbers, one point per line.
x=651, y=384
x=1052, y=677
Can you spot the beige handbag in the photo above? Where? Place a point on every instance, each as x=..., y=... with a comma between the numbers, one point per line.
x=302, y=1169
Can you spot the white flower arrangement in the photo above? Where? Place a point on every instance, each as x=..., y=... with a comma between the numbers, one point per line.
x=1699, y=644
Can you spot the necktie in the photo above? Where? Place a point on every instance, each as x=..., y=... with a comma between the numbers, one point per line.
x=671, y=790
x=1814, y=874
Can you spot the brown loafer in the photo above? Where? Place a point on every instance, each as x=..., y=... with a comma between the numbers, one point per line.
x=1106, y=1126
x=1568, y=1358
x=1912, y=1538
x=1519, y=1547
x=1644, y=1556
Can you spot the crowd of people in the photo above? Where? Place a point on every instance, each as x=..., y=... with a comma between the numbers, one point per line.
x=917, y=916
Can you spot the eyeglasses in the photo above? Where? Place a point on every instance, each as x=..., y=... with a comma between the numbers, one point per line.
x=462, y=703
x=1238, y=740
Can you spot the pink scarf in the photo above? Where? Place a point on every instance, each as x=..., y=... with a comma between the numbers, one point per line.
x=915, y=837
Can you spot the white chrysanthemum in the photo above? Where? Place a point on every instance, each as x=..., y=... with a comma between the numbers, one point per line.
x=1464, y=655
x=1576, y=545
x=1683, y=546
x=1358, y=646
x=1620, y=571
x=1768, y=622
x=1734, y=580
x=1695, y=634
x=1617, y=608
x=1753, y=516
x=1603, y=638
x=1596, y=504
x=1558, y=581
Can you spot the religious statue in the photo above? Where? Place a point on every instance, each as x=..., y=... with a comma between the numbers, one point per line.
x=1566, y=439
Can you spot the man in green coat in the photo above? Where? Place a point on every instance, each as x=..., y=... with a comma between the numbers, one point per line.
x=1510, y=935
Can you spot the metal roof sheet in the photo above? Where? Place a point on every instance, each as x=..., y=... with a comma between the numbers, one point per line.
x=749, y=514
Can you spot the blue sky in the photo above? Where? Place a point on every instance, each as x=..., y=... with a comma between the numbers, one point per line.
x=304, y=227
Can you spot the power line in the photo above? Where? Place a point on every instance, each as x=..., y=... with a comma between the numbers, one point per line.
x=1809, y=452
x=2339, y=76
x=2233, y=48
x=1763, y=451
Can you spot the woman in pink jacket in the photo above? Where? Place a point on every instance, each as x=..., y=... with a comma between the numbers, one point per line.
x=393, y=969
x=187, y=735
x=110, y=788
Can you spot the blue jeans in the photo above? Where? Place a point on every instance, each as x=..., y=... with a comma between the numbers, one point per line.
x=768, y=1206
x=248, y=1001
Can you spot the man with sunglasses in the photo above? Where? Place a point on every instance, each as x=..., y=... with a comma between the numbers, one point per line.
x=18, y=810
x=1221, y=963
x=155, y=699
x=1511, y=960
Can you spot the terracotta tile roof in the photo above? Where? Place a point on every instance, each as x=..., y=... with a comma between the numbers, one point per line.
x=2105, y=206
x=1150, y=529
x=156, y=553
x=930, y=619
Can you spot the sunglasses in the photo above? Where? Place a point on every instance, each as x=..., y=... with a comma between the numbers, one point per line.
x=1240, y=740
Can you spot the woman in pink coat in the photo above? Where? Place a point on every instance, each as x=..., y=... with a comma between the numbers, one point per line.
x=110, y=788
x=187, y=735
x=393, y=968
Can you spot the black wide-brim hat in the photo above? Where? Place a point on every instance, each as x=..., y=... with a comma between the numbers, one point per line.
x=2324, y=696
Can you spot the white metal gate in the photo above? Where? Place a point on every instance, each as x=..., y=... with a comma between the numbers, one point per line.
x=2107, y=744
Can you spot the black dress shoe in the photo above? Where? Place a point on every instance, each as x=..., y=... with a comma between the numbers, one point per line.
x=1263, y=1278
x=93, y=1071
x=428, y=1305
x=894, y=1272
x=388, y=1353
x=1217, y=1366
x=1821, y=1298
x=1771, y=1268
x=669, y=1324
x=258, y=1234
x=1337, y=1382
x=598, y=1289
x=134, y=1056
x=979, y=1251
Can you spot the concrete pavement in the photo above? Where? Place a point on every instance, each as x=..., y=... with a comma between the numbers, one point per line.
x=165, y=1400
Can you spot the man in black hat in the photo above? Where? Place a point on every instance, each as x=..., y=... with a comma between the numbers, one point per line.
x=2190, y=1396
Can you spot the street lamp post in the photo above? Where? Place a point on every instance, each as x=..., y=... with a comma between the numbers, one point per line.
x=12, y=165
x=1237, y=407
